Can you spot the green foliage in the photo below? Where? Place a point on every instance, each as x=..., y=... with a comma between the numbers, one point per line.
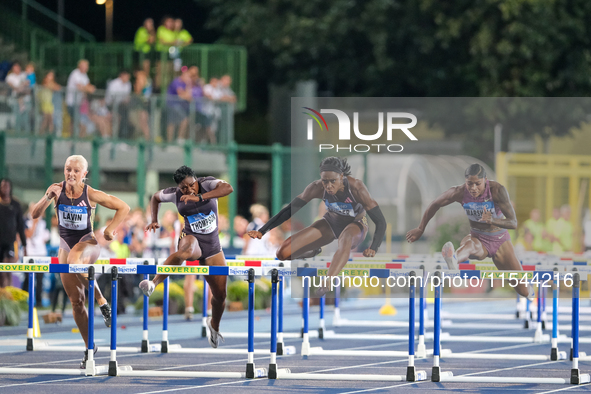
x=238, y=291
x=10, y=312
x=454, y=230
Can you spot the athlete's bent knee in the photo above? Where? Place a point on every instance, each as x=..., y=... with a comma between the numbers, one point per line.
x=282, y=252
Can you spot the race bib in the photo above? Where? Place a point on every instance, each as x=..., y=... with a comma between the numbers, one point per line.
x=474, y=210
x=202, y=223
x=73, y=218
x=341, y=208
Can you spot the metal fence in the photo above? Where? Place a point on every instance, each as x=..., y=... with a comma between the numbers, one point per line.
x=156, y=118
x=107, y=60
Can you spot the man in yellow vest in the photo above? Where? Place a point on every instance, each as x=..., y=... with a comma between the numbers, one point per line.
x=551, y=236
x=536, y=228
x=143, y=43
x=564, y=232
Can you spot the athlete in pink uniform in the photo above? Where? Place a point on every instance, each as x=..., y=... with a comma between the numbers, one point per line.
x=490, y=212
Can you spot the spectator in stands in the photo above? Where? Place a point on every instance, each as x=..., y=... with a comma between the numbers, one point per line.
x=143, y=43
x=21, y=96
x=551, y=232
x=117, y=99
x=165, y=38
x=564, y=233
x=78, y=85
x=140, y=105
x=183, y=37
x=227, y=94
x=45, y=101
x=178, y=100
x=587, y=230
x=201, y=118
x=240, y=226
x=30, y=74
x=37, y=235
x=260, y=216
x=213, y=94
x=99, y=115
x=536, y=228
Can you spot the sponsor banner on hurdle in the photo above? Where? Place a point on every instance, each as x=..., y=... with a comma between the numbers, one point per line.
x=19, y=267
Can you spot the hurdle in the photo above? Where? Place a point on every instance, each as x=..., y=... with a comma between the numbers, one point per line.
x=236, y=268
x=411, y=374
x=575, y=375
x=92, y=369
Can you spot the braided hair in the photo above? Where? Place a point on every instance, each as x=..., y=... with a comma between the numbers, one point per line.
x=475, y=170
x=335, y=164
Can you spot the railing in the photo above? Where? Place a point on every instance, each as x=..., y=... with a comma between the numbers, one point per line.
x=42, y=111
x=23, y=33
x=107, y=60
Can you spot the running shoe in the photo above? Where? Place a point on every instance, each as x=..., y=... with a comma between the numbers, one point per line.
x=147, y=287
x=214, y=336
x=83, y=362
x=449, y=255
x=532, y=293
x=106, y=311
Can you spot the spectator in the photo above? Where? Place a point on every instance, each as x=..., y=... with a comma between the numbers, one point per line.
x=260, y=216
x=21, y=96
x=45, y=100
x=213, y=94
x=551, y=232
x=223, y=227
x=165, y=38
x=201, y=118
x=143, y=43
x=564, y=233
x=37, y=236
x=77, y=87
x=117, y=98
x=587, y=230
x=54, y=237
x=226, y=92
x=240, y=226
x=179, y=97
x=536, y=228
x=183, y=37
x=30, y=74
x=122, y=251
x=11, y=217
x=97, y=115
x=140, y=105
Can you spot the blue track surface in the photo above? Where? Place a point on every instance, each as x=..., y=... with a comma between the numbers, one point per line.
x=187, y=334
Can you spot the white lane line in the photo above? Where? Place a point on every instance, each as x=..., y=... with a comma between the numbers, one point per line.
x=47, y=381
x=574, y=386
x=193, y=387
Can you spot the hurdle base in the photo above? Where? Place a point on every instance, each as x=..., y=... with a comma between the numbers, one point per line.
x=203, y=332
x=302, y=333
x=321, y=333
x=145, y=346
x=272, y=374
x=554, y=354
x=543, y=325
x=280, y=348
x=526, y=324
x=30, y=344
x=577, y=378
x=436, y=374
x=411, y=374
x=112, y=368
x=252, y=372
x=164, y=347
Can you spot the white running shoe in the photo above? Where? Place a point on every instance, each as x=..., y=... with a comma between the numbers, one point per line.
x=214, y=336
x=449, y=255
x=147, y=287
x=532, y=293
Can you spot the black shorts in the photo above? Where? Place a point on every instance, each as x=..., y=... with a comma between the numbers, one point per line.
x=7, y=252
x=208, y=243
x=338, y=223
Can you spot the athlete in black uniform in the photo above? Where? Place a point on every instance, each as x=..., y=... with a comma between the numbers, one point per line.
x=196, y=200
x=75, y=204
x=347, y=200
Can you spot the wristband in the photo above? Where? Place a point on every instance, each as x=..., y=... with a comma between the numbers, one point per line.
x=47, y=198
x=200, y=197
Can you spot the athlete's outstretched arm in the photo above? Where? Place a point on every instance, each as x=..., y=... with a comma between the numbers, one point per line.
x=52, y=193
x=313, y=190
x=155, y=202
x=501, y=199
x=450, y=196
x=375, y=213
x=111, y=202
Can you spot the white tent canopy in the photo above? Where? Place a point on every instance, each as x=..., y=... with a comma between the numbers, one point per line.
x=405, y=185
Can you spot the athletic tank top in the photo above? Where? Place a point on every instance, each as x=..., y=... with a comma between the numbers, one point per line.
x=200, y=217
x=474, y=207
x=343, y=203
x=74, y=216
